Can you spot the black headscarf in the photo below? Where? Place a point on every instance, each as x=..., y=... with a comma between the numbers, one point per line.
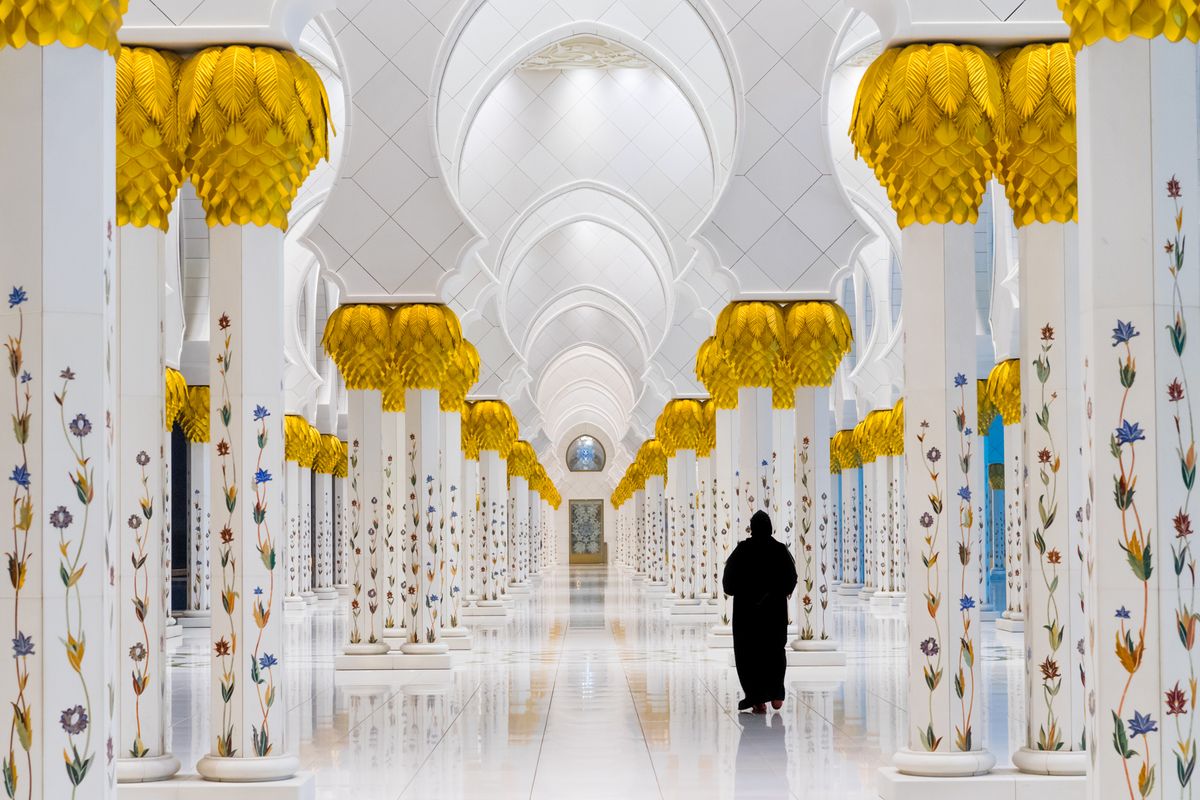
x=760, y=524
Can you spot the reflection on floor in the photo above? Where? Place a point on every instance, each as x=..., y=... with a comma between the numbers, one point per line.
x=591, y=691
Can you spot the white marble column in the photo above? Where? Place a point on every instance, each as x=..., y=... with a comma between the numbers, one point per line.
x=724, y=463
x=306, y=529
x=325, y=513
x=945, y=690
x=866, y=452
x=1004, y=391
x=640, y=547
x=452, y=575
x=472, y=543
x=341, y=539
x=291, y=494
x=849, y=516
x=755, y=447
x=143, y=744
x=493, y=508
x=814, y=540
x=364, y=488
x=60, y=457
x=246, y=380
x=393, y=548
x=685, y=495
x=1139, y=189
x=424, y=476
x=702, y=544
x=199, y=599
x=656, y=533
x=671, y=522
x=518, y=530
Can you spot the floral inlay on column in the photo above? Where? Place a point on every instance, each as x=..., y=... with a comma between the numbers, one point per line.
x=966, y=524
x=262, y=664
x=931, y=521
x=140, y=653
x=226, y=649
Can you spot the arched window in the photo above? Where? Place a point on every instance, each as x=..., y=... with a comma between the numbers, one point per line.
x=585, y=454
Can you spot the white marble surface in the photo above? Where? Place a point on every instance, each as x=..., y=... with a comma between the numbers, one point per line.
x=591, y=690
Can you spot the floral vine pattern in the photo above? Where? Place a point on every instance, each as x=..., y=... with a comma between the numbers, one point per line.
x=1181, y=701
x=1135, y=544
x=75, y=720
x=1049, y=462
x=355, y=546
x=808, y=571
x=262, y=663
x=389, y=543
x=413, y=563
x=226, y=650
x=199, y=578
x=454, y=552
x=931, y=647
x=20, y=732
x=139, y=652
x=964, y=680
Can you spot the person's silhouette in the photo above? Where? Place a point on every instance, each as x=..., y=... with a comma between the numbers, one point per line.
x=760, y=575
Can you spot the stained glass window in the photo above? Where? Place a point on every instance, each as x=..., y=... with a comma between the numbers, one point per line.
x=585, y=454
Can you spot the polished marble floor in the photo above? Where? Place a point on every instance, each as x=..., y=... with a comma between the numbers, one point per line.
x=590, y=690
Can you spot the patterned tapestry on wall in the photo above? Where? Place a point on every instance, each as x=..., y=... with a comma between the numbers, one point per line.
x=587, y=527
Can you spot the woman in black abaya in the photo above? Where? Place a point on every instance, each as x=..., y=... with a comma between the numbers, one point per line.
x=760, y=575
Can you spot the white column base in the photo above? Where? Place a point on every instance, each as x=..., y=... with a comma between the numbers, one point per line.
x=309, y=597
x=194, y=619
x=816, y=658
x=328, y=593
x=247, y=770
x=363, y=650
x=1011, y=625
x=388, y=662
x=294, y=604
x=866, y=592
x=174, y=632
x=944, y=765
x=656, y=588
x=481, y=610
x=887, y=598
x=718, y=639
x=460, y=639
x=692, y=609
x=193, y=787
x=1051, y=762
x=344, y=589
x=849, y=588
x=1002, y=784
x=518, y=588
x=146, y=770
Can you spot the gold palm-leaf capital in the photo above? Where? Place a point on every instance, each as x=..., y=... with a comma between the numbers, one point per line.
x=358, y=339
x=149, y=158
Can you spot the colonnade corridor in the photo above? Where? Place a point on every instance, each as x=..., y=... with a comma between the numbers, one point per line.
x=591, y=690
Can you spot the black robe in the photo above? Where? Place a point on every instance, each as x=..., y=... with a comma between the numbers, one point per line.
x=760, y=574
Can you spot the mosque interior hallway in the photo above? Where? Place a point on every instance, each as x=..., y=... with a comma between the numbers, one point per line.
x=591, y=690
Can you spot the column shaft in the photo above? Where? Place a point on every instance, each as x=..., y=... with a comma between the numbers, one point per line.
x=364, y=484
x=424, y=522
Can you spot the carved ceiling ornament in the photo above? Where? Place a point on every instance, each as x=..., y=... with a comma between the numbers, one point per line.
x=585, y=52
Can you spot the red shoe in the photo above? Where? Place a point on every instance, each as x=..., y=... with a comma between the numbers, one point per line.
x=761, y=708
x=776, y=704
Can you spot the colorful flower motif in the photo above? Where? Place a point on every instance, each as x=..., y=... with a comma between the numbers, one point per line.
x=80, y=427
x=67, y=374
x=1122, y=613
x=221, y=647
x=1053, y=557
x=222, y=448
x=1183, y=525
x=142, y=459
x=965, y=493
x=1142, y=724
x=1173, y=188
x=1130, y=432
x=20, y=476
x=226, y=535
x=260, y=413
x=934, y=455
x=1044, y=456
x=74, y=720
x=17, y=296
x=22, y=645
x=926, y=520
x=966, y=602
x=267, y=661
x=1047, y=333
x=138, y=652
x=1124, y=332
x=223, y=322
x=61, y=518
x=930, y=647
x=1175, y=391
x=960, y=380
x=262, y=476
x=1049, y=669
x=257, y=591
x=1176, y=701
x=26, y=377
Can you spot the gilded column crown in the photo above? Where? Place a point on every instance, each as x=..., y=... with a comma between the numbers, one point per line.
x=149, y=158
x=895, y=430
x=864, y=443
x=835, y=456
x=685, y=424
x=708, y=429
x=358, y=339
x=461, y=374
x=653, y=458
x=342, y=469
x=255, y=121
x=1038, y=166
x=424, y=339
x=715, y=373
x=175, y=398
x=194, y=416
x=494, y=426
x=1093, y=20
x=847, y=451
x=72, y=23
x=752, y=338
x=329, y=453
x=1004, y=390
x=819, y=336
x=783, y=384
x=521, y=460
x=469, y=437
x=985, y=407
x=296, y=441
x=929, y=120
